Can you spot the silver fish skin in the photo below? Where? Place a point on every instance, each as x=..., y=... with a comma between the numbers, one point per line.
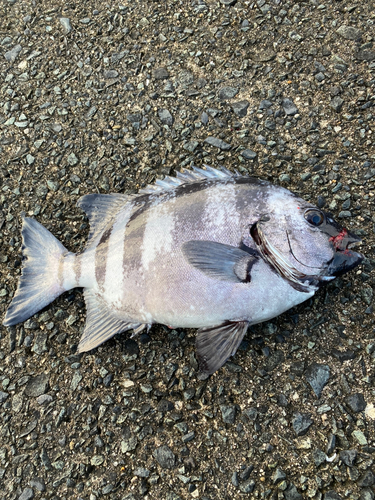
x=207, y=249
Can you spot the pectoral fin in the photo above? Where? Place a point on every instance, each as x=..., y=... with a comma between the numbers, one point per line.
x=219, y=261
x=217, y=343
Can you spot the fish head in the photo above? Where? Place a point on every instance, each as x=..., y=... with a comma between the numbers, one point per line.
x=304, y=244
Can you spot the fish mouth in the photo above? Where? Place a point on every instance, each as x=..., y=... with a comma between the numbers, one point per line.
x=344, y=259
x=298, y=280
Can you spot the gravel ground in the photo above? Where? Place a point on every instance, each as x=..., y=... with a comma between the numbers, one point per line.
x=98, y=97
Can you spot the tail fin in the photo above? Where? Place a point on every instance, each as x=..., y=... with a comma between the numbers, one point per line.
x=41, y=281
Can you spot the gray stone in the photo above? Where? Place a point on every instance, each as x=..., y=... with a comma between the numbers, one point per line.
x=165, y=117
x=365, y=55
x=348, y=457
x=289, y=107
x=291, y=493
x=228, y=414
x=37, y=386
x=265, y=104
x=367, y=480
x=227, y=93
x=278, y=476
x=247, y=486
x=336, y=103
x=356, y=402
x=141, y=472
x=12, y=54
x=110, y=74
x=72, y=159
x=240, y=108
x=3, y=396
x=228, y=2
x=349, y=33
x=218, y=143
x=165, y=457
x=317, y=376
x=248, y=154
x=65, y=23
x=160, y=73
x=332, y=495
x=38, y=484
x=367, y=494
x=27, y=494
x=301, y=423
x=319, y=457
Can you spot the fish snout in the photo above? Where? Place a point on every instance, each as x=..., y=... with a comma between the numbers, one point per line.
x=344, y=259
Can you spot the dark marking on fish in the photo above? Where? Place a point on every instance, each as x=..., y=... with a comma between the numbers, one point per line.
x=101, y=255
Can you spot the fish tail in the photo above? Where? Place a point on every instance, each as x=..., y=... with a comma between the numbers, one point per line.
x=47, y=271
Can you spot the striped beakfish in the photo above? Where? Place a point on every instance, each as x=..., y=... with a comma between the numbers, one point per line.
x=207, y=249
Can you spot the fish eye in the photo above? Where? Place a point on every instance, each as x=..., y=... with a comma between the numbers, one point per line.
x=314, y=217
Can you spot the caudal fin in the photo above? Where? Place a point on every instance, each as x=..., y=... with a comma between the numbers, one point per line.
x=41, y=281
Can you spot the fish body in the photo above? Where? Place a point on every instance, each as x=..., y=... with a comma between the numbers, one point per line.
x=208, y=249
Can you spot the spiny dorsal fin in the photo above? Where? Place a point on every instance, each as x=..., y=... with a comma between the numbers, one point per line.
x=187, y=177
x=100, y=209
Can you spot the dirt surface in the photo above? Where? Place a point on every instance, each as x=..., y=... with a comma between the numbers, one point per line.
x=107, y=97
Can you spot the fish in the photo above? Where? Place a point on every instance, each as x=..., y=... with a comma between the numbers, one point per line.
x=208, y=249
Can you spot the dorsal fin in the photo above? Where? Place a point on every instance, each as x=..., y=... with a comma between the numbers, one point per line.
x=187, y=177
x=100, y=209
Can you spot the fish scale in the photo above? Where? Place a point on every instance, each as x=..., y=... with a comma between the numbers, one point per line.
x=207, y=249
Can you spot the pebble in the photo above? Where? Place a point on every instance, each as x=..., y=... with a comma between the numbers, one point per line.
x=317, y=376
x=247, y=486
x=248, y=154
x=289, y=107
x=332, y=495
x=165, y=457
x=348, y=457
x=356, y=402
x=337, y=103
x=301, y=423
x=228, y=414
x=278, y=476
x=27, y=494
x=12, y=54
x=160, y=73
x=240, y=108
x=65, y=23
x=349, y=32
x=36, y=386
x=227, y=93
x=218, y=143
x=165, y=117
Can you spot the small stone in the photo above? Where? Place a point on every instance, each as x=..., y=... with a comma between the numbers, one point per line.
x=3, y=396
x=360, y=437
x=265, y=104
x=367, y=480
x=228, y=414
x=356, y=402
x=349, y=33
x=317, y=376
x=235, y=480
x=227, y=93
x=27, y=494
x=204, y=118
x=65, y=23
x=289, y=107
x=278, y=476
x=301, y=423
x=365, y=55
x=228, y=2
x=247, y=486
x=291, y=493
x=336, y=103
x=165, y=457
x=141, y=472
x=160, y=73
x=12, y=54
x=319, y=457
x=38, y=484
x=37, y=386
x=129, y=444
x=72, y=159
x=165, y=117
x=110, y=74
x=44, y=399
x=191, y=146
x=218, y=143
x=248, y=154
x=240, y=108
x=331, y=444
x=97, y=460
x=332, y=495
x=164, y=406
x=348, y=457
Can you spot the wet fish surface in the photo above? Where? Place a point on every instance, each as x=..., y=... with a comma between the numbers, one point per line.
x=207, y=249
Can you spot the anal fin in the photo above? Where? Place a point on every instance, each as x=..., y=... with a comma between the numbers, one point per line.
x=101, y=323
x=216, y=344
